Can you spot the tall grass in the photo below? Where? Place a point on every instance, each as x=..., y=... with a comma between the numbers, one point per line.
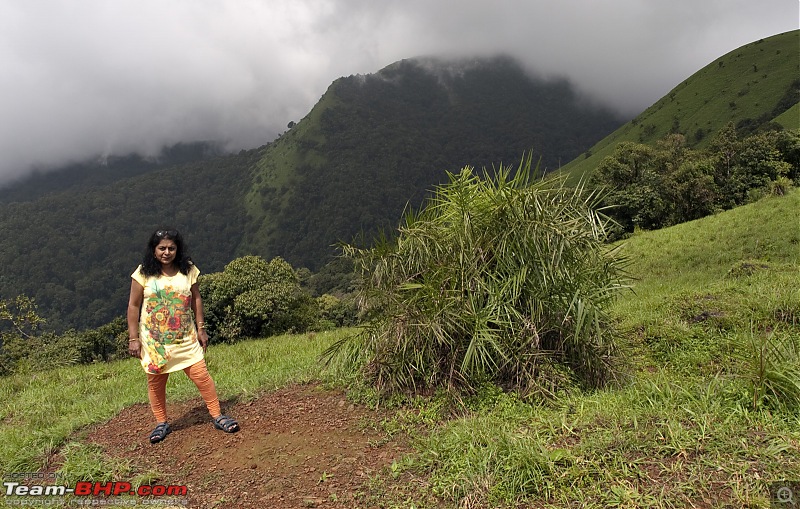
x=660, y=442
x=771, y=366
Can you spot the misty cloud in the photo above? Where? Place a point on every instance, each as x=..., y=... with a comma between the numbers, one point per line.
x=81, y=79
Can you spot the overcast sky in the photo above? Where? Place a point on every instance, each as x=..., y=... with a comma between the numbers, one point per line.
x=81, y=78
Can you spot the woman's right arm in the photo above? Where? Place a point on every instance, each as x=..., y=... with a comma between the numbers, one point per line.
x=134, y=308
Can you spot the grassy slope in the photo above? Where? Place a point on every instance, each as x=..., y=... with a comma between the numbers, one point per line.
x=745, y=83
x=682, y=431
x=40, y=411
x=689, y=288
x=701, y=252
x=790, y=119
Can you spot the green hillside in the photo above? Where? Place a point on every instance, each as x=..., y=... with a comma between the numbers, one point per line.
x=682, y=430
x=700, y=253
x=789, y=119
x=750, y=86
x=376, y=143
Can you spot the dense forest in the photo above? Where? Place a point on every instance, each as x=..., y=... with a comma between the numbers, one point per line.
x=74, y=251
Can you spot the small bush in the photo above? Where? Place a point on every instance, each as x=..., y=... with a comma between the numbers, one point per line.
x=746, y=268
x=780, y=186
x=337, y=312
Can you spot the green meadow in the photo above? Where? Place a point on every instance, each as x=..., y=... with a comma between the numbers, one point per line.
x=704, y=412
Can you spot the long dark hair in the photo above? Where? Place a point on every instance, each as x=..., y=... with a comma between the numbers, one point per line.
x=151, y=266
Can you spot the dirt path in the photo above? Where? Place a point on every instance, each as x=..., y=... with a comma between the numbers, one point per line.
x=301, y=446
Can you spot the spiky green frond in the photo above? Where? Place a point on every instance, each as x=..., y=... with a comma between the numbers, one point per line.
x=501, y=277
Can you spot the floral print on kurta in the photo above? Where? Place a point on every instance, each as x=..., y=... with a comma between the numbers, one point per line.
x=166, y=323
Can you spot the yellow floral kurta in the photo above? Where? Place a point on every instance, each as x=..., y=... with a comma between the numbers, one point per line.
x=166, y=323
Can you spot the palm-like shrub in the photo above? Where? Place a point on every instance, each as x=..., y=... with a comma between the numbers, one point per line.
x=500, y=279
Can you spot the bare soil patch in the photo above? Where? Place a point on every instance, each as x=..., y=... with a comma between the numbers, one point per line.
x=300, y=446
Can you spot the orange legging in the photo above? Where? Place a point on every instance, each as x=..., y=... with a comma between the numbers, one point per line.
x=197, y=373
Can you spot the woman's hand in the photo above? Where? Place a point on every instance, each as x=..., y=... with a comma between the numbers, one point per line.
x=202, y=337
x=134, y=308
x=135, y=348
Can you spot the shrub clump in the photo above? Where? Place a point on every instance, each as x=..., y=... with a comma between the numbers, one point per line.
x=252, y=297
x=502, y=279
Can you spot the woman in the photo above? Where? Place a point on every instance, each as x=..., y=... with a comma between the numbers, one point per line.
x=166, y=329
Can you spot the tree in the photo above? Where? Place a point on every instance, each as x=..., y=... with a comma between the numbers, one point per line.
x=726, y=145
x=498, y=279
x=654, y=187
x=633, y=186
x=788, y=144
x=19, y=322
x=748, y=166
x=692, y=191
x=19, y=316
x=252, y=297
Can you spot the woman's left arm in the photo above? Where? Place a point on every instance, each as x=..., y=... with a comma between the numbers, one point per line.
x=197, y=309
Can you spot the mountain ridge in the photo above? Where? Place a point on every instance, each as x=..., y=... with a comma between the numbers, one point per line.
x=104, y=169
x=393, y=136
x=745, y=86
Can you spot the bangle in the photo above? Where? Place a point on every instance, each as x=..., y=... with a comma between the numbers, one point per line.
x=133, y=339
x=203, y=326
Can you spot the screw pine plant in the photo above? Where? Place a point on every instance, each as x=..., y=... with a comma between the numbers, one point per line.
x=502, y=278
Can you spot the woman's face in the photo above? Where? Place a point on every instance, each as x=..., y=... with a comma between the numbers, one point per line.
x=165, y=251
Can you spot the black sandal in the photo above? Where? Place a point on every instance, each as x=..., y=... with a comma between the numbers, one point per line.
x=160, y=432
x=226, y=424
